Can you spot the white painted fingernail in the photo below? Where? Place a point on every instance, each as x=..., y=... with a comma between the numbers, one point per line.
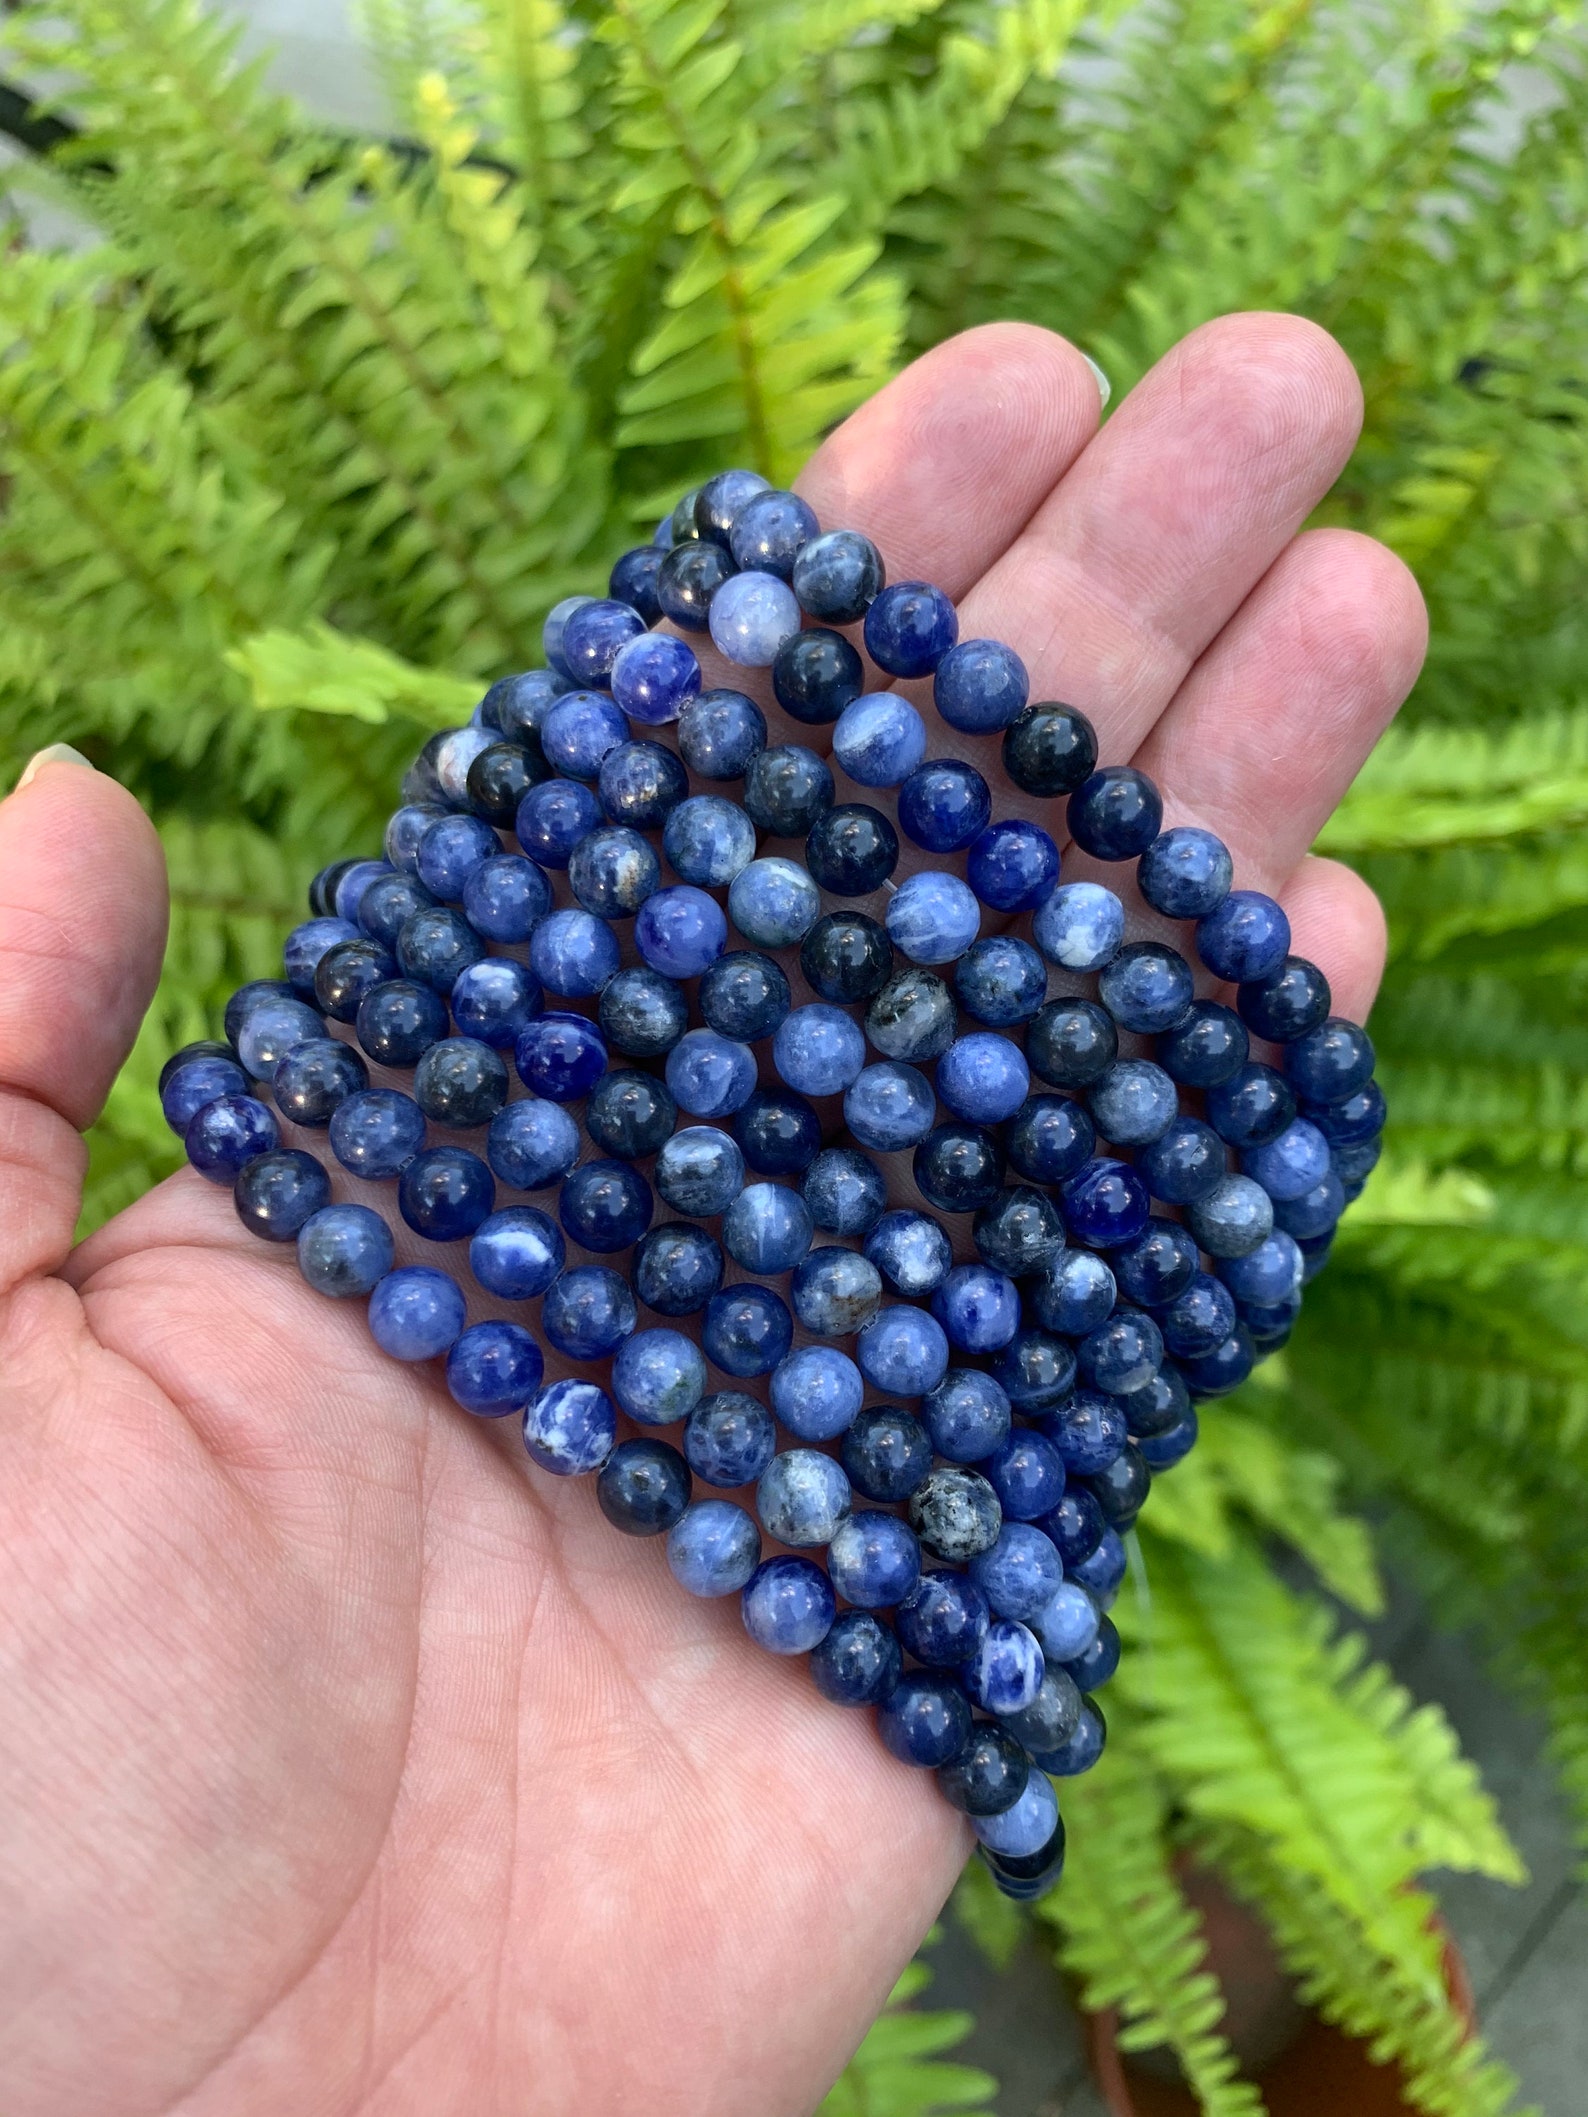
x=1105, y=389
x=56, y=753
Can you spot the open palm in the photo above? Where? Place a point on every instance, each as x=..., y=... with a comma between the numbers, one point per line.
x=348, y=1764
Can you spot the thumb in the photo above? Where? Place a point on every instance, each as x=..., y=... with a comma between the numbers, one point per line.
x=82, y=930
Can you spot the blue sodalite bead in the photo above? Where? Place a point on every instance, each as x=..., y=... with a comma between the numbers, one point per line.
x=858, y=1662
x=405, y=829
x=593, y=634
x=1184, y=1162
x=680, y=931
x=640, y=784
x=924, y=1720
x=687, y=579
x=1116, y=814
x=904, y=1352
x=747, y=1330
x=879, y=739
x=838, y=576
x=185, y=1091
x=386, y=907
x=1216, y=1373
x=1065, y=1628
x=874, y=1560
x=786, y=789
x=1020, y=1232
x=846, y=957
x=434, y=946
x=719, y=503
x=1134, y=1103
x=911, y=1252
x=494, y=1368
x=1074, y=1296
x=1005, y=1672
x=1287, y=1003
x=801, y=1497
x=1122, y=1354
x=774, y=903
x=851, y=850
x=1266, y=1276
x=344, y=1250
x=943, y=1619
x=1166, y=1449
x=570, y=1428
x=1158, y=1265
x=1076, y=1526
x=767, y=1229
x=654, y=678
x=494, y=999
x=1021, y=1572
x=1084, y=1747
x=889, y=1107
x=1251, y=1107
x=968, y=1417
x=306, y=944
x=677, y=1268
x=818, y=1050
x=573, y=953
x=788, y=1605
x=770, y=531
x=700, y=1171
x=1207, y=1046
x=730, y=1439
x=358, y=875
x=912, y=1017
x=719, y=733
x=577, y=733
x=933, y=918
x=1013, y=866
x=516, y=706
x=1163, y=1403
x=1147, y=987
x=1248, y=936
x=958, y=1168
x=517, y=1253
x=1329, y=1064
x=1105, y=1204
x=1199, y=1319
x=376, y=1133
x=752, y=614
x=532, y=1144
x=713, y=1548
x=1027, y=1473
x=1001, y=981
x=1027, y=1827
x=1080, y=927
x=709, y=840
x=1071, y=1043
x=779, y=1132
x=553, y=817
x=247, y=997
x=633, y=581
x=642, y=1013
x=270, y=1029
x=416, y=1313
x=835, y=1291
x=226, y=1133
x=560, y=1056
x=980, y=686
x=909, y=628
x=643, y=1488
x=1036, y=1371
x=444, y=1193
x=944, y=804
x=955, y=1513
x=588, y=1312
x=1048, y=1138
x=449, y=853
x=817, y=673
x=1090, y=1432
x=1309, y=1216
x=886, y=1453
x=1236, y=1216
x=816, y=1393
x=710, y=1075
x=630, y=1115
x=605, y=1205
x=1185, y=873
x=1355, y=1122
x=612, y=871
x=983, y=1078
x=1053, y=1715
x=658, y=1377
x=744, y=995
x=1294, y=1163
x=844, y=1191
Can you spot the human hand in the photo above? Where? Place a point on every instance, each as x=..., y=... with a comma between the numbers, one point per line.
x=349, y=1763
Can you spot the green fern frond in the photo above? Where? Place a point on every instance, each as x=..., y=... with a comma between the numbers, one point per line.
x=318, y=670
x=898, y=2072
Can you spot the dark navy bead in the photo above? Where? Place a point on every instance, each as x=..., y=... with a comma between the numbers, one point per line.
x=713, y=1549
x=788, y=1605
x=967, y=1415
x=958, y=1168
x=506, y=898
x=306, y=944
x=1048, y=1138
x=944, y=804
x=435, y=945
x=569, y=1428
x=1013, y=866
x=276, y=1192
x=1247, y=937
x=344, y=1250
x=851, y=850
x=1208, y=1045
x=844, y=1191
x=722, y=499
x=873, y=1559
x=925, y=1719
x=769, y=532
x=186, y=1090
x=909, y=628
x=987, y=1776
x=1264, y=1276
x=1269, y=1327
x=1147, y=988
x=913, y=1017
x=1116, y=814
x=1121, y=1489
x=593, y=637
x=1089, y=1431
x=460, y=1083
x=588, y=1312
x=708, y=841
x=1355, y=1122
x=386, y=907
x=554, y=817
x=1251, y=1107
x=654, y=678
x=1021, y=1232
x=687, y=579
x=1287, y=1167
x=630, y=1115
x=270, y=1029
x=247, y=997
x=605, y=1205
x=1122, y=1354
x=494, y=1369
x=720, y=733
x=729, y=1439
x=786, y=790
x=421, y=788
x=1314, y=1213
x=1054, y=1714
x=1331, y=1063
x=1001, y=980
x=516, y=706
x=744, y=995
x=315, y=1079
x=1216, y=1373
x=494, y=999
x=835, y=1292
x=445, y=1193
x=1083, y=1749
x=1354, y=1165
x=837, y=577
x=498, y=780
x=1074, y=1297
x=376, y=1134
x=1199, y=1319
x=633, y=581
x=955, y=1513
x=1091, y=1670
x=643, y=1487
x=517, y=1253
x=1021, y=1573
x=1105, y=1203
x=1287, y=1003
x=845, y=957
x=1071, y=1043
x=641, y=784
x=677, y=1268
x=206, y=1048
x=1076, y=1526
x=980, y=686
x=911, y=1252
x=1185, y=873
x=322, y=890
x=858, y=1662
x=778, y=1131
x=1050, y=749
x=1156, y=1407
x=699, y=1171
x=815, y=675
x=1167, y=1449
x=747, y=1330
x=1134, y=1103
x=560, y=1056
x=642, y=1014
x=1184, y=1162
x=886, y=1452
x=1158, y=1266
x=225, y=1134
x=1027, y=1473
x=532, y=1144
x=346, y=972
x=680, y=527
x=416, y=1313
x=1036, y=1371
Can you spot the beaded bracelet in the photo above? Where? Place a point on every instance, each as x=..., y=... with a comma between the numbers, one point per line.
x=1002, y=1417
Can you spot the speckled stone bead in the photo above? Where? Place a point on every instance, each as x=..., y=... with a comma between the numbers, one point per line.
x=1287, y=1003
x=1235, y=1217
x=818, y=1050
x=1065, y=1627
x=729, y=1440
x=909, y=627
x=554, y=629
x=708, y=840
x=588, y=1312
x=851, y=850
x=844, y=1191
x=1207, y=1046
x=720, y=733
x=925, y=1720
x=718, y=503
x=773, y=903
x=846, y=957
x=710, y=1075
x=767, y=1229
x=1005, y=1673
x=788, y=1605
x=943, y=1619
x=979, y=1308
x=189, y=1087
x=494, y=1369
x=578, y=732
x=967, y=1415
x=1134, y=1103
x=460, y=1083
x=449, y=853
x=700, y=1171
x=344, y=1250
x=1071, y=1043
x=889, y=1107
x=1035, y=1370
x=988, y=1776
x=1314, y=1213
x=1267, y=1275
x=1158, y=1266
x=1001, y=981
x=630, y=1115
x=958, y=1168
x=933, y=917
x=744, y=996
x=605, y=1205
x=769, y=532
x=747, y=1330
x=1291, y=1165
x=573, y=953
x=786, y=789
x=912, y=1018
x=554, y=817
x=1105, y=1203
x=1199, y=1319
x=386, y=907
x=835, y=1292
x=838, y=576
x=612, y=871
x=1147, y=988
x=911, y=1251
x=560, y=1057
x=886, y=1452
x=879, y=740
x=654, y=678
x=569, y=1428
x=713, y=1549
x=270, y=1029
x=517, y=705
x=1073, y=1296
x=276, y=1192
x=444, y=1193
x=1185, y=873
x=498, y=780
x=816, y=1393
x=1161, y=1404
x=816, y=675
x=903, y=1352
x=531, y=1144
x=376, y=1133
x=306, y=944
x=1120, y=1355
x=434, y=946
x=404, y=830
x=1020, y=1233
x=688, y=579
x=944, y=804
x=658, y=1377
x=1080, y=927
x=345, y=973
x=873, y=1559
x=1048, y=1138
x=1027, y=1473
x=980, y=686
x=416, y=1313
x=225, y=1134
x=594, y=635
x=642, y=1014
x=644, y=1487
x=858, y=1662
x=1251, y=1107
x=1116, y=814
x=1089, y=1431
x=955, y=1513
x=677, y=1268
x=1050, y=749
x=1330, y=1063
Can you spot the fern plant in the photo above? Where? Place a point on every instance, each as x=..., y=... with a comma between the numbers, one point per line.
x=300, y=445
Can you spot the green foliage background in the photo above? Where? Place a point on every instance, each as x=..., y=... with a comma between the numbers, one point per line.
x=299, y=448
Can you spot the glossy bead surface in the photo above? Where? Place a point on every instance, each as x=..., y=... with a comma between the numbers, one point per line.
x=494, y=1368
x=836, y=1292
x=851, y=850
x=710, y=1075
x=1207, y=1046
x=189, y=1087
x=560, y=1057
x=680, y=931
x=1355, y=1122
x=730, y=1439
x=677, y=1268
x=1050, y=749
x=773, y=903
x=858, y=1662
x=1065, y=1627
x=642, y=1014
x=700, y=1171
x=912, y=1017
x=778, y=1132
x=1020, y=1573
x=1185, y=873
x=605, y=1205
x=1026, y=1828
x=983, y=1078
x=1122, y=1354
x=1164, y=1450
x=1287, y=1002
x=270, y=1029
x=818, y=1050
x=903, y=1352
x=376, y=1133
x=889, y=1107
x=1105, y=1203
x=988, y=1776
x=1027, y=1473
x=306, y=944
x=844, y=1191
x=1006, y=1670
x=708, y=840
x=1071, y=1043
x=569, y=1428
x=1291, y=1165
x=879, y=739
x=226, y=1133
x=955, y=1513
x=1076, y=1526
x=788, y=1605
x=686, y=581
x=909, y=627
x=1084, y=1747
x=979, y=1308
x=276, y=1192
x=532, y=1144
x=1121, y=1489
x=348, y=971
x=344, y=1250
x=416, y=1313
x=1311, y=1215
x=886, y=1453
x=980, y=686
x=816, y=1393
x=460, y=1083
x=1089, y=1431
x=1013, y=866
x=1158, y=1266
x=1184, y=1162
x=873, y=1560
x=633, y=581
x=751, y=615
x=786, y=789
x=1134, y=1103
x=578, y=732
x=434, y=946
x=1216, y=1373
x=1267, y=1275
x=1329, y=1064
x=449, y=853
x=658, y=1377
x=933, y=918
x=958, y=1168
x=444, y=1193
x=911, y=1251
x=573, y=953
x=593, y=635
x=654, y=677
x=1235, y=1217
x=516, y=1253
x=612, y=871
x=386, y=906
x=1253, y=1106
x=1048, y=1138
x=1020, y=1232
x=1036, y=1371
x=246, y=998
x=967, y=1416
x=553, y=818
x=720, y=501
x=1116, y=814
x=925, y=1720
x=644, y=1487
x=588, y=1312
x=719, y=733
x=498, y=780
x=404, y=830
x=713, y=1548
x=816, y=675
x=1147, y=988
x=846, y=957
x=747, y=1330
x=517, y=705
x=630, y=1115
x=944, y=804
x=1074, y=1296
x=770, y=530
x=1001, y=980
x=838, y=576
x=1199, y=1319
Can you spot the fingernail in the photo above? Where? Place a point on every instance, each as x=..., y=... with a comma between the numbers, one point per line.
x=1105, y=389
x=55, y=753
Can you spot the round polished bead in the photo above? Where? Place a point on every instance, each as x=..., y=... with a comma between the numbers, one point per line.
x=360, y=875
x=943, y=1619
x=1005, y=1673
x=909, y=627
x=816, y=675
x=644, y=1487
x=1035, y=1370
x=773, y=903
x=1166, y=1449
x=633, y=580
x=1354, y=1164
x=435, y=946
x=594, y=634
x=851, y=850
x=573, y=953
x=1050, y=749
x=1116, y=814
x=642, y=1014
x=1355, y=1122
x=1013, y=866
x=903, y=1351
x=747, y=1330
x=980, y=686
x=1080, y=927
x=276, y=1192
x=1071, y=1043
x=1147, y=988
x=710, y=1075
x=911, y=1251
x=444, y=1193
x=688, y=579
x=311, y=1082
x=386, y=907
x=751, y=615
x=1216, y=1373
x=1313, y=1214
x=816, y=1392
x=1184, y=1162
x=1021, y=1572
x=838, y=576
x=677, y=1268
x=605, y=1205
x=1158, y=1265
x=879, y=739
x=630, y=1115
x=344, y=1250
x=1020, y=1232
x=1156, y=1407
x=836, y=1292
x=699, y=1171
x=1084, y=1747
x=845, y=1191
x=1267, y=1275
x=889, y=1107
x=1001, y=980
x=1054, y=1714
x=1028, y=1827
x=532, y=1144
x=270, y=1029
x=779, y=1133
x=449, y=853
x=517, y=1253
x=933, y=918
x=560, y=1057
x=980, y=1310
x=224, y=1134
x=1122, y=1354
x=818, y=1050
x=1185, y=873
x=1027, y=1473
x=588, y=1312
x=873, y=1560
x=553, y=818
x=498, y=780
x=846, y=957
x=1329, y=1064
x=1134, y=1103
x=912, y=1017
x=719, y=733
x=944, y=804
x=858, y=1662
x=517, y=705
x=416, y=1313
x=185, y=1090
x=958, y=1168
x=570, y=1427
x=1235, y=1217
x=494, y=1368
x=788, y=1606
x=654, y=678
x=1121, y=1489
x=577, y=734
x=955, y=1513
x=925, y=1720
x=983, y=1078
x=404, y=830
x=1105, y=1203
x=1286, y=1167
x=1074, y=1295
x=306, y=944
x=680, y=931
x=886, y=1453
x=713, y=1548
x=730, y=1439
x=461, y=1083
x=1251, y=1107
x=1207, y=1046
x=1199, y=1319
x=345, y=973
x=1076, y=1526
x=1089, y=1431
x=1246, y=937
x=612, y=871
x=786, y=790
x=658, y=1377
x=708, y=840
x=770, y=530
x=720, y=501
x=967, y=1415
x=1048, y=1138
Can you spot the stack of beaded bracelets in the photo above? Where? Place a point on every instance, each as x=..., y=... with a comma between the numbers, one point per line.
x=1062, y=1358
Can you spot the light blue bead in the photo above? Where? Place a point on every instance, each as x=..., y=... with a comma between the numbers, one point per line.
x=272, y=1028
x=709, y=1075
x=516, y=1253
x=774, y=903
x=680, y=931
x=578, y=732
x=570, y=1428
x=531, y=1143
x=453, y=756
x=1267, y=1275
x=658, y=1376
x=911, y=1251
x=654, y=677
x=1024, y=1830
x=818, y=1050
x=1134, y=1103
x=873, y=1560
x=751, y=615
x=1291, y=1165
x=816, y=1392
x=556, y=623
x=1066, y=1625
x=713, y=1548
x=889, y=1106
x=788, y=1606
x=768, y=1228
x=416, y=1313
x=932, y=917
x=1080, y=926
x=708, y=840
x=574, y=953
x=801, y=1497
x=1020, y=1574
x=879, y=739
x=903, y=1352
x=1005, y=1673
x=983, y=1077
